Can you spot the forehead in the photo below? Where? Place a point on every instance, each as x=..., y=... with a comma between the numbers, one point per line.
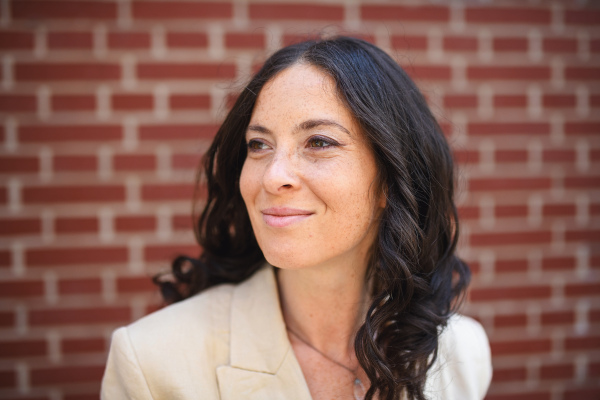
x=298, y=90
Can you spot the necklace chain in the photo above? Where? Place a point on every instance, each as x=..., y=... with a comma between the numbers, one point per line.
x=359, y=388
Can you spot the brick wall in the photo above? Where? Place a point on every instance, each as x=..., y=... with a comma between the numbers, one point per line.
x=106, y=107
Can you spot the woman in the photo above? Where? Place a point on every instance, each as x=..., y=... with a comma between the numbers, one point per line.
x=331, y=168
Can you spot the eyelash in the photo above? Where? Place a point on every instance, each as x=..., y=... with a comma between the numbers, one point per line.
x=327, y=142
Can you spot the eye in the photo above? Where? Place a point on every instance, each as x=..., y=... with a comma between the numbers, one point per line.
x=320, y=142
x=256, y=145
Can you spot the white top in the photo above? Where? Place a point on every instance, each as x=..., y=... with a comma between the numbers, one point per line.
x=230, y=342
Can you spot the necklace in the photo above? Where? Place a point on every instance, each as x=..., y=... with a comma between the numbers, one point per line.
x=359, y=388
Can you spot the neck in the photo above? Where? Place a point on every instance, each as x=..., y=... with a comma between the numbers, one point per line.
x=324, y=307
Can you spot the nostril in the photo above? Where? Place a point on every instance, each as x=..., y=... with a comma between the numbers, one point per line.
x=287, y=185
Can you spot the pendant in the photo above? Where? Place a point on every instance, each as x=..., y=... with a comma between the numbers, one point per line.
x=359, y=390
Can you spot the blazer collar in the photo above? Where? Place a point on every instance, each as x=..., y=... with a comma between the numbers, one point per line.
x=262, y=361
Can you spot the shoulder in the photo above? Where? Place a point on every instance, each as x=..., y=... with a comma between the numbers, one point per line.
x=463, y=369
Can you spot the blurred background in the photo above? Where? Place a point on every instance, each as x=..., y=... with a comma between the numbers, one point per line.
x=107, y=106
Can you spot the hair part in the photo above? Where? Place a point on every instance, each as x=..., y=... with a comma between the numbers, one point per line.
x=418, y=281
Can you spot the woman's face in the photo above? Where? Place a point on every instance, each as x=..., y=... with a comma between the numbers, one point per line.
x=309, y=180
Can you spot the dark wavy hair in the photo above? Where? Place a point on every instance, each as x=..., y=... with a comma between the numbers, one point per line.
x=418, y=281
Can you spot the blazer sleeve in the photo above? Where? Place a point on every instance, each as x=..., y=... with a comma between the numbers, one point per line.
x=463, y=369
x=123, y=377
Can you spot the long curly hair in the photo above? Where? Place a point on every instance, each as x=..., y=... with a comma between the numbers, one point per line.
x=418, y=281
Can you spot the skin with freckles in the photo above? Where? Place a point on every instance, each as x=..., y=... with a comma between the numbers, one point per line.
x=309, y=183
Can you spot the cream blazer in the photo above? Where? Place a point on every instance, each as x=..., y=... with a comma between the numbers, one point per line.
x=230, y=342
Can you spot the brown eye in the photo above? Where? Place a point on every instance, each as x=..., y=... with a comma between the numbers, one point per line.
x=319, y=143
x=256, y=145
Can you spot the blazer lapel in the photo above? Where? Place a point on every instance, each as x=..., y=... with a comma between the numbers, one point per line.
x=262, y=363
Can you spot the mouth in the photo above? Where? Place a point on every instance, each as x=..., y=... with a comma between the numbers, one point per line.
x=279, y=217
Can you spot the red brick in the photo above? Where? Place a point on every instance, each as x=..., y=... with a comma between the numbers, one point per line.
x=405, y=13
x=511, y=156
x=135, y=223
x=460, y=101
x=5, y=258
x=62, y=375
x=505, y=44
x=582, y=394
x=186, y=161
x=70, y=133
x=19, y=226
x=559, y=101
x=530, y=346
x=43, y=257
x=466, y=212
x=582, y=235
x=510, y=238
x=80, y=286
x=594, y=369
x=83, y=345
x=582, y=182
x=189, y=101
x=183, y=222
x=29, y=288
x=520, y=396
x=8, y=379
x=16, y=40
x=135, y=284
x=41, y=10
x=17, y=103
x=169, y=252
x=409, y=42
x=582, y=343
x=558, y=318
x=177, y=132
x=22, y=348
x=510, y=374
x=582, y=128
x=582, y=17
x=594, y=316
x=559, y=45
x=70, y=40
x=466, y=156
x=312, y=11
x=510, y=293
x=495, y=184
x=508, y=128
x=160, y=192
x=131, y=102
x=7, y=319
x=507, y=266
x=460, y=43
x=527, y=73
x=128, y=40
x=510, y=101
x=21, y=164
x=429, y=72
x=511, y=320
x=181, y=71
x=557, y=371
x=75, y=163
x=558, y=263
x=245, y=40
x=595, y=45
x=558, y=156
x=559, y=210
x=79, y=316
x=137, y=162
x=187, y=40
x=41, y=72
x=582, y=73
x=73, y=194
x=69, y=102
x=510, y=211
x=582, y=289
x=181, y=10
x=506, y=15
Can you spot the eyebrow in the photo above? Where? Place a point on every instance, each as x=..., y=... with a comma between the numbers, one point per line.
x=304, y=126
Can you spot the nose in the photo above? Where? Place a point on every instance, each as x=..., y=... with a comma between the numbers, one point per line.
x=280, y=175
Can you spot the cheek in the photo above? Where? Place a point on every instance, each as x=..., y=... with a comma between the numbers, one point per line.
x=248, y=184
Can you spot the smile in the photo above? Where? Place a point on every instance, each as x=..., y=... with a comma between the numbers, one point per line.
x=279, y=217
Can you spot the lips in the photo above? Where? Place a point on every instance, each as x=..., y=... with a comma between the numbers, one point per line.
x=279, y=217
